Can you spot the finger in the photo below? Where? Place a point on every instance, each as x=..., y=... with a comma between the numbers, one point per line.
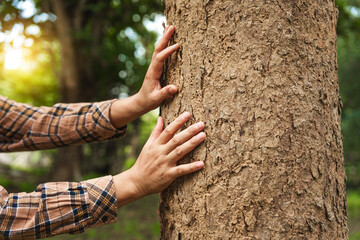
x=159, y=60
x=164, y=40
x=157, y=130
x=184, y=136
x=173, y=127
x=165, y=27
x=164, y=54
x=166, y=92
x=180, y=151
x=186, y=168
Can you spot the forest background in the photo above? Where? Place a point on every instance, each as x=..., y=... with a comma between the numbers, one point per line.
x=113, y=42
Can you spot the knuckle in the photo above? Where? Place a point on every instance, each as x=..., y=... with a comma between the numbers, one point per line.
x=178, y=151
x=157, y=48
x=192, y=130
x=180, y=171
x=167, y=131
x=158, y=58
x=176, y=141
x=153, y=56
x=180, y=121
x=194, y=140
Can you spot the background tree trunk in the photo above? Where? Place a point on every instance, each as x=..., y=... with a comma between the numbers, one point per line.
x=263, y=76
x=77, y=79
x=67, y=161
x=94, y=50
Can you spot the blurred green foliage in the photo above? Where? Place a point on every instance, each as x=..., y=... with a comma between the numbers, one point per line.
x=35, y=81
x=353, y=201
x=40, y=90
x=136, y=221
x=112, y=45
x=117, y=57
x=348, y=30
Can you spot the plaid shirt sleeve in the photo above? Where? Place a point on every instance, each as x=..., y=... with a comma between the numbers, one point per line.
x=55, y=208
x=59, y=207
x=24, y=128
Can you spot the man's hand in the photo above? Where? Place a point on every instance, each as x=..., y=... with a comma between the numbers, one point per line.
x=156, y=168
x=151, y=94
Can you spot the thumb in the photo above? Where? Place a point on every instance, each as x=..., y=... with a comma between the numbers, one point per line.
x=167, y=92
x=157, y=130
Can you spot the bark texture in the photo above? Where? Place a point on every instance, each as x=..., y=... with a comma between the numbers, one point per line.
x=263, y=77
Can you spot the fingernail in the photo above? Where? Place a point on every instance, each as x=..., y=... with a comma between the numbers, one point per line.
x=175, y=45
x=200, y=164
x=199, y=125
x=172, y=90
x=186, y=115
x=201, y=136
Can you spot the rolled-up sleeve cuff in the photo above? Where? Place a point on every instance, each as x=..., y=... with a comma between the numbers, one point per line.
x=103, y=126
x=103, y=201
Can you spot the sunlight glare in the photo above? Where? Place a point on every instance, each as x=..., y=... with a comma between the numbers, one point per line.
x=13, y=58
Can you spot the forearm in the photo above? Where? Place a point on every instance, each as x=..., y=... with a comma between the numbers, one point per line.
x=24, y=127
x=56, y=208
x=126, y=110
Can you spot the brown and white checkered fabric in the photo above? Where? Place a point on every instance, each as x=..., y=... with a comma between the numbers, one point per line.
x=59, y=207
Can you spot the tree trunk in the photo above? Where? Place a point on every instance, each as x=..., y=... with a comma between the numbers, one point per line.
x=70, y=89
x=77, y=80
x=67, y=161
x=67, y=164
x=263, y=77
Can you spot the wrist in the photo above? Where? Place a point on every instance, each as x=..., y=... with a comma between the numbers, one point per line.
x=126, y=188
x=139, y=104
x=126, y=110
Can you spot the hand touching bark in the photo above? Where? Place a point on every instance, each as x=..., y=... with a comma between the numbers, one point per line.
x=156, y=168
x=151, y=93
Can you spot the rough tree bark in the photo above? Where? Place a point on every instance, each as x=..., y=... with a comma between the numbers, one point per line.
x=263, y=76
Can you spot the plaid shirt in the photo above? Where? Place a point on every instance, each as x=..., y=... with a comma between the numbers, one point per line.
x=58, y=207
